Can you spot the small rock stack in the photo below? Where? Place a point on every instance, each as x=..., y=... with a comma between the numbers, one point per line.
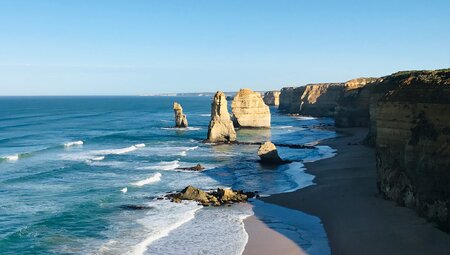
x=180, y=118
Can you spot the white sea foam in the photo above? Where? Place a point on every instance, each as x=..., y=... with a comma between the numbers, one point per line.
x=164, y=165
x=99, y=158
x=304, y=118
x=117, y=151
x=206, y=115
x=124, y=190
x=70, y=144
x=176, y=128
x=204, y=229
x=140, y=145
x=179, y=214
x=155, y=178
x=12, y=157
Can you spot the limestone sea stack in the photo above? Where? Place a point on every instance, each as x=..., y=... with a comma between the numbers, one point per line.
x=180, y=118
x=221, y=127
x=272, y=98
x=249, y=110
x=269, y=154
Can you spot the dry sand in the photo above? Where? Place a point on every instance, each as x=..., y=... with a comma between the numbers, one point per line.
x=356, y=219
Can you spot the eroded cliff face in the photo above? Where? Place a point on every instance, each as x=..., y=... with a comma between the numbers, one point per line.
x=320, y=100
x=413, y=142
x=317, y=100
x=352, y=109
x=272, y=98
x=249, y=110
x=221, y=127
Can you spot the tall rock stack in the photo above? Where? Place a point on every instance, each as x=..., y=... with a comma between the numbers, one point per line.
x=249, y=110
x=272, y=98
x=413, y=142
x=180, y=118
x=221, y=127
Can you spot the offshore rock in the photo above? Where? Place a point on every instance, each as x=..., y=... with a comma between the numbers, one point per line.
x=249, y=110
x=221, y=127
x=197, y=167
x=413, y=142
x=215, y=198
x=269, y=154
x=272, y=98
x=180, y=118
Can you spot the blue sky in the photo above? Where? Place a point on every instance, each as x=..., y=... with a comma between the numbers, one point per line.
x=85, y=47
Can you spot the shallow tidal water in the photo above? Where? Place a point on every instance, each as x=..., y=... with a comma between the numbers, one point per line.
x=72, y=168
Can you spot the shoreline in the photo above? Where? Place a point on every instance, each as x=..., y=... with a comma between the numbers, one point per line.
x=356, y=219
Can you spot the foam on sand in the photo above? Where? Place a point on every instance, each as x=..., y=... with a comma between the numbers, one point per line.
x=155, y=178
x=70, y=144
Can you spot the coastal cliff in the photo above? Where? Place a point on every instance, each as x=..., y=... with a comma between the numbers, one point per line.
x=220, y=127
x=272, y=98
x=290, y=99
x=412, y=124
x=249, y=110
x=317, y=100
x=320, y=100
x=352, y=109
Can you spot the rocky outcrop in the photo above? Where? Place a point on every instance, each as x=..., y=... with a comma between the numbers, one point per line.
x=269, y=154
x=352, y=109
x=272, y=98
x=215, y=198
x=413, y=142
x=249, y=110
x=180, y=118
x=197, y=167
x=221, y=127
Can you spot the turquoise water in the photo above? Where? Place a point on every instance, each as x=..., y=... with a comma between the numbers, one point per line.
x=70, y=167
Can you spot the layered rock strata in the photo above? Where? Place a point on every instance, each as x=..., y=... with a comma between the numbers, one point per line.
x=320, y=99
x=317, y=100
x=249, y=110
x=180, y=118
x=352, y=109
x=413, y=142
x=272, y=98
x=221, y=127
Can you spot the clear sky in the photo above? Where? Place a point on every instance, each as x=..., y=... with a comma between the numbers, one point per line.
x=87, y=47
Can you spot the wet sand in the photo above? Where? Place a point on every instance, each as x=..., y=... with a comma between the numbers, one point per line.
x=263, y=240
x=356, y=219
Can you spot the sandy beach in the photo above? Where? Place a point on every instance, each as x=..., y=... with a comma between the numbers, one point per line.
x=356, y=219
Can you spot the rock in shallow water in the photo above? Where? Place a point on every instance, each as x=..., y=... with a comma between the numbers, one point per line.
x=249, y=110
x=215, y=198
x=221, y=127
x=180, y=118
x=269, y=154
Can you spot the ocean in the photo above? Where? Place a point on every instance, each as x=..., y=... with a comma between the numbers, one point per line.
x=82, y=175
